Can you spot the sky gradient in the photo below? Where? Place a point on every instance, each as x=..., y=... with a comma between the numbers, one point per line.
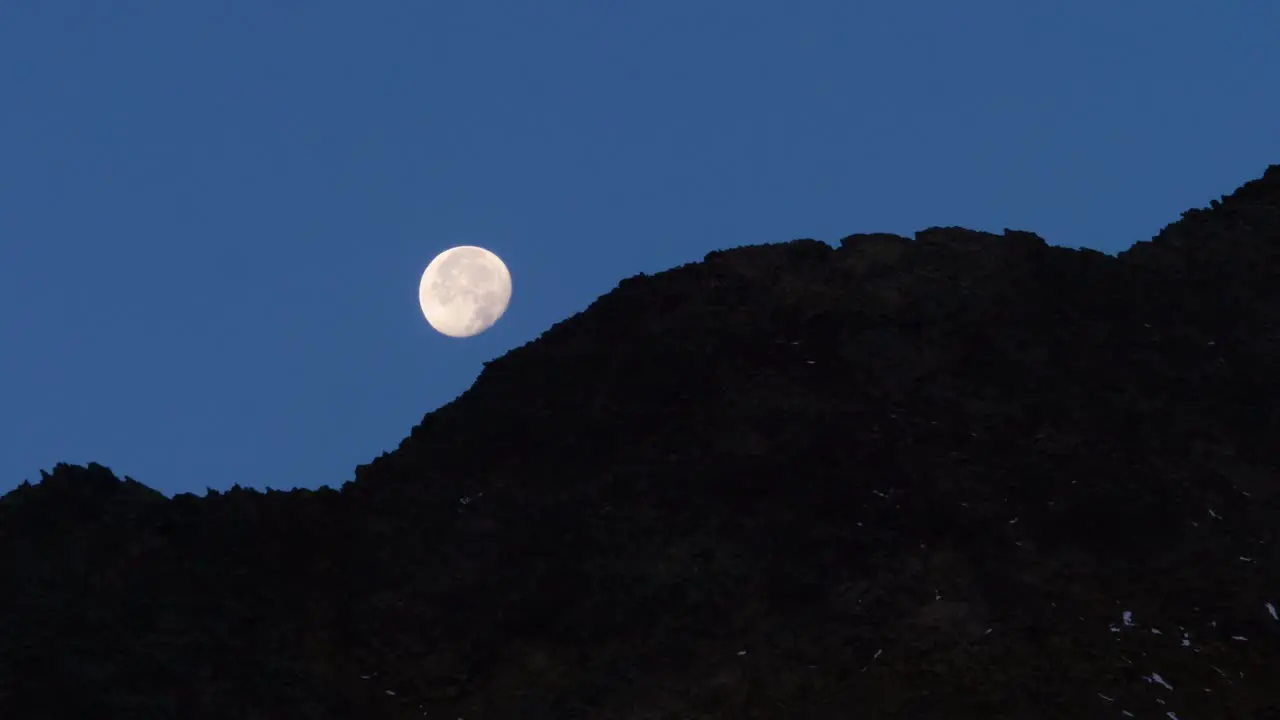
x=214, y=216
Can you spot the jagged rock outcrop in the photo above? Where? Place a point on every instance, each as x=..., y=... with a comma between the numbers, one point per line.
x=965, y=475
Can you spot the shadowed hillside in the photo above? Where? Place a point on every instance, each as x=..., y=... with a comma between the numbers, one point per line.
x=961, y=476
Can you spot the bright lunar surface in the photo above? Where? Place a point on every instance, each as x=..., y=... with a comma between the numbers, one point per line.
x=464, y=291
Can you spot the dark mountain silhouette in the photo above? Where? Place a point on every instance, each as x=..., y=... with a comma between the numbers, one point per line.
x=962, y=476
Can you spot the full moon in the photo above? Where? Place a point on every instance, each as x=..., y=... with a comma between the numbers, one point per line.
x=464, y=291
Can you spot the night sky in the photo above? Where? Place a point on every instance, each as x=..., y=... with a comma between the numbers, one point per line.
x=214, y=216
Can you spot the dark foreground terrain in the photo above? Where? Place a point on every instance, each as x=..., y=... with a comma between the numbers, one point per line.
x=960, y=476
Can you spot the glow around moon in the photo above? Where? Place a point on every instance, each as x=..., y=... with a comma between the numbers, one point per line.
x=464, y=291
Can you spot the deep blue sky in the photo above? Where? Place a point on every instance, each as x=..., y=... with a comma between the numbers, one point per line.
x=213, y=216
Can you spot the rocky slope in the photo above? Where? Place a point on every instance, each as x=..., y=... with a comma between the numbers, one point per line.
x=960, y=476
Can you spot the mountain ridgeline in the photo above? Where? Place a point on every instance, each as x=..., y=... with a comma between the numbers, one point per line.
x=964, y=475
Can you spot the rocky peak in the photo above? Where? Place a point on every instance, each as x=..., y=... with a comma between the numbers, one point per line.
x=960, y=475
